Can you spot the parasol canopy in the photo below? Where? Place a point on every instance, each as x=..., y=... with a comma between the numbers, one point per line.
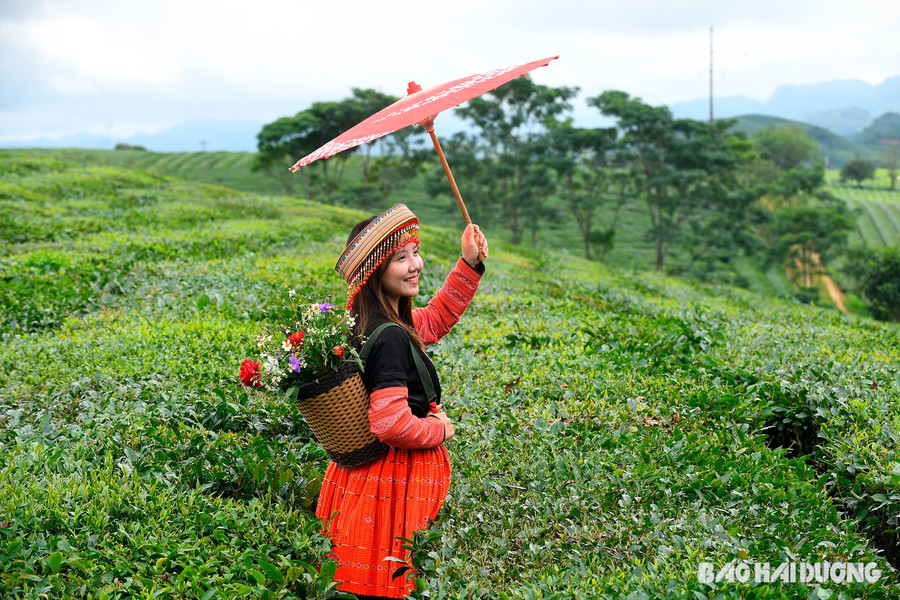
x=420, y=107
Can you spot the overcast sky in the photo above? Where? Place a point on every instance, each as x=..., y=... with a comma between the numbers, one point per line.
x=119, y=67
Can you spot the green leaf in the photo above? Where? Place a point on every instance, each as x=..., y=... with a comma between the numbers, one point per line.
x=314, y=486
x=271, y=571
x=202, y=301
x=329, y=568
x=259, y=577
x=291, y=394
x=56, y=560
x=209, y=594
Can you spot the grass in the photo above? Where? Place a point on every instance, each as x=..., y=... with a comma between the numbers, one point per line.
x=614, y=428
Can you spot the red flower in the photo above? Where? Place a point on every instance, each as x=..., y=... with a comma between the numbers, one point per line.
x=339, y=351
x=296, y=340
x=250, y=373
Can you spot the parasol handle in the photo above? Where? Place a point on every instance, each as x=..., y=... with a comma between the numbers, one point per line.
x=428, y=124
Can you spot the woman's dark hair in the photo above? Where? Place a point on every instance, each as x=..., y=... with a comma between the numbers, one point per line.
x=370, y=302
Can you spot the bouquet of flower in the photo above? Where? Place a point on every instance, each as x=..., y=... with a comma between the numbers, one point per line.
x=312, y=341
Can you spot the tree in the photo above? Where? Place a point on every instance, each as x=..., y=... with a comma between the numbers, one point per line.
x=586, y=180
x=684, y=170
x=877, y=273
x=511, y=121
x=858, y=170
x=786, y=147
x=287, y=139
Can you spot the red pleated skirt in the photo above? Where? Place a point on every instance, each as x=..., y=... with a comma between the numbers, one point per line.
x=365, y=509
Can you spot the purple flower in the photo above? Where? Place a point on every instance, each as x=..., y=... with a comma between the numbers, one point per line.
x=295, y=363
x=325, y=307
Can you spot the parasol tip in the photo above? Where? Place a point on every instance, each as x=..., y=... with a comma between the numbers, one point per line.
x=412, y=88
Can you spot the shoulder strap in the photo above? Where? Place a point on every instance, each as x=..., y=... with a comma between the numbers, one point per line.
x=424, y=375
x=370, y=341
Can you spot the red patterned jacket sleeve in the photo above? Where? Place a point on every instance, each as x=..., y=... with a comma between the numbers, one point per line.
x=391, y=420
x=449, y=303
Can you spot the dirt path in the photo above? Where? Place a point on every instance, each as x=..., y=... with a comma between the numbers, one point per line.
x=834, y=291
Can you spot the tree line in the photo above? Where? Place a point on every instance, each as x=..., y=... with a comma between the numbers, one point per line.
x=709, y=193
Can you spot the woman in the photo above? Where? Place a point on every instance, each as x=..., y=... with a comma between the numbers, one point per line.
x=365, y=509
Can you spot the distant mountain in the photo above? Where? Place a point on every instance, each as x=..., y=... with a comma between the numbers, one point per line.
x=844, y=106
x=842, y=121
x=834, y=149
x=210, y=135
x=885, y=127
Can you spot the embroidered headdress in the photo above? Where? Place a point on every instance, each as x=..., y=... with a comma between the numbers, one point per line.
x=392, y=229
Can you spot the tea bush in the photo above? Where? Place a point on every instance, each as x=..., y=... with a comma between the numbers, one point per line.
x=614, y=429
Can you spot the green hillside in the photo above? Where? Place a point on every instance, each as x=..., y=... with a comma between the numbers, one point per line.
x=877, y=214
x=630, y=251
x=230, y=169
x=836, y=149
x=614, y=430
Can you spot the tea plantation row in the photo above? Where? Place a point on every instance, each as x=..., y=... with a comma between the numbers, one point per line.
x=613, y=431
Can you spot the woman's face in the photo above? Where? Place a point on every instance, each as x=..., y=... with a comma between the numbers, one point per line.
x=401, y=277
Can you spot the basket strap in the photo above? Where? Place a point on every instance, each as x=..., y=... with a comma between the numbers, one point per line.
x=424, y=375
x=370, y=341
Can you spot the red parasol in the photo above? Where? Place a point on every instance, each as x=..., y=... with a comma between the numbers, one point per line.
x=421, y=107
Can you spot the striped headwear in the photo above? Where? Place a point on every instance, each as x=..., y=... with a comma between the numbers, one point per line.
x=392, y=229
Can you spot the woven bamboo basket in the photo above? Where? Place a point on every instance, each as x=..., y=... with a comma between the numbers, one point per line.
x=336, y=408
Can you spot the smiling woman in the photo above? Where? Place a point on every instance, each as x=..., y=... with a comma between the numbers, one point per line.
x=400, y=278
x=367, y=509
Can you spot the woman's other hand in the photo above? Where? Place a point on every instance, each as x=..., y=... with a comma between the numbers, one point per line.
x=474, y=245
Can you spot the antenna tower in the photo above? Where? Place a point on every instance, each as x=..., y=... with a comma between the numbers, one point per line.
x=710, y=75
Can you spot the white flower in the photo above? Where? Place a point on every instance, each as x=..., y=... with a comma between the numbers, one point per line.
x=286, y=345
x=291, y=293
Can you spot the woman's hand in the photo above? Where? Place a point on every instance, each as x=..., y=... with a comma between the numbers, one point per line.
x=448, y=425
x=474, y=245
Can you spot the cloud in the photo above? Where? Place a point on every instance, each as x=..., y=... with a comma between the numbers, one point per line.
x=89, y=63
